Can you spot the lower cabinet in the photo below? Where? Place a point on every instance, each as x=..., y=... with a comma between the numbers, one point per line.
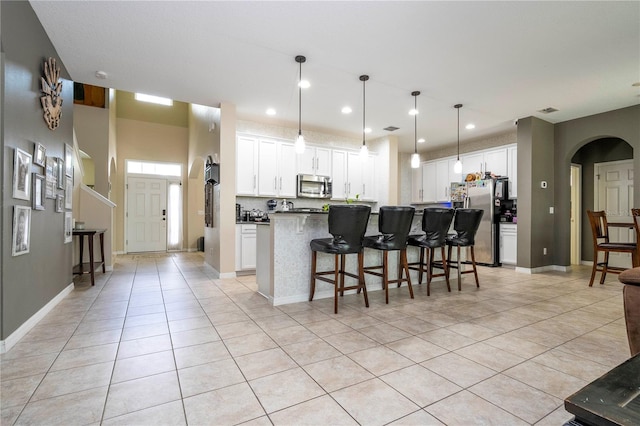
x=508, y=243
x=245, y=247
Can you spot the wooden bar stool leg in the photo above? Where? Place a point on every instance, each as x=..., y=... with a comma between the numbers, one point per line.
x=385, y=278
x=405, y=267
x=361, y=277
x=421, y=266
x=429, y=271
x=93, y=280
x=312, y=286
x=475, y=270
x=445, y=266
x=459, y=272
x=342, y=257
x=102, y=252
x=335, y=287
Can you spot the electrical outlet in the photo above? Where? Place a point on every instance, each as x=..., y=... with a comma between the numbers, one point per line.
x=544, y=251
x=551, y=210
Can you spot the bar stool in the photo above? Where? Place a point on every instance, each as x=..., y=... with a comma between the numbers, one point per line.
x=394, y=224
x=466, y=225
x=435, y=224
x=347, y=224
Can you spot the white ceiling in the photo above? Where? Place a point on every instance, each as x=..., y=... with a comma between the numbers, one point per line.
x=502, y=60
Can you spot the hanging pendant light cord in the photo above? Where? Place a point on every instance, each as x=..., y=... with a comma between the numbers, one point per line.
x=363, y=108
x=300, y=101
x=415, y=122
x=458, y=106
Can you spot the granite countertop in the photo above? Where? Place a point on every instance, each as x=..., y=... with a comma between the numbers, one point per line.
x=244, y=222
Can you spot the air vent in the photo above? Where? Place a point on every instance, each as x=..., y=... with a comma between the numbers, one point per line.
x=548, y=110
x=391, y=128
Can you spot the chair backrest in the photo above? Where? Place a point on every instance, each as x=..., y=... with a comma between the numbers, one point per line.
x=599, y=226
x=466, y=224
x=394, y=223
x=349, y=222
x=435, y=224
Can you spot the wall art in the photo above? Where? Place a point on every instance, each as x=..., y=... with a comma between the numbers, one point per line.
x=38, y=191
x=22, y=175
x=51, y=100
x=21, y=230
x=39, y=155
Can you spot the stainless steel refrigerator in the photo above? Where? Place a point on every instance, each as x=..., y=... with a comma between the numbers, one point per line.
x=481, y=195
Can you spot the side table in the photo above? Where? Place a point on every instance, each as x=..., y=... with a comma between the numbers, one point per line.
x=92, y=265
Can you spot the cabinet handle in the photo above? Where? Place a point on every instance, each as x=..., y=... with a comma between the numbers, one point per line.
x=312, y=161
x=254, y=181
x=275, y=183
x=281, y=183
x=345, y=188
x=349, y=191
x=363, y=190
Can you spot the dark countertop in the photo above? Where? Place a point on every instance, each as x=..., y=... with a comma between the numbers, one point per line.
x=244, y=222
x=613, y=399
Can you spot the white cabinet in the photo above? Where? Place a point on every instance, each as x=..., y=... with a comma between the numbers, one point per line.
x=315, y=161
x=472, y=162
x=495, y=161
x=508, y=243
x=429, y=173
x=246, y=166
x=512, y=170
x=416, y=185
x=444, y=176
x=352, y=175
x=432, y=181
x=274, y=168
x=246, y=247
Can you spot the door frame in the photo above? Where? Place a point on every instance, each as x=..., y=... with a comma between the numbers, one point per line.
x=576, y=213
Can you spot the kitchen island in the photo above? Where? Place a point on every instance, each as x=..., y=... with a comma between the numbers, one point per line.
x=283, y=264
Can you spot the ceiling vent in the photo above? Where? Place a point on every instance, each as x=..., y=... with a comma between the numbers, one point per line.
x=548, y=110
x=391, y=128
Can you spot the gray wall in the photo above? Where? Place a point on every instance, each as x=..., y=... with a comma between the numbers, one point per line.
x=30, y=281
x=598, y=151
x=570, y=136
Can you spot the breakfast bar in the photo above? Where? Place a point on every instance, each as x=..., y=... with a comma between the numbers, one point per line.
x=284, y=257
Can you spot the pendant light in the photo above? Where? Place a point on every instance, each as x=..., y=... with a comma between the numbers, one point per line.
x=415, y=157
x=364, y=151
x=457, y=168
x=300, y=143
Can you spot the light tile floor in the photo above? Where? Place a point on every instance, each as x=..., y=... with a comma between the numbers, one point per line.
x=158, y=341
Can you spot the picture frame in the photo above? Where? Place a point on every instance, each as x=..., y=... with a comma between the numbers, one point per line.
x=50, y=176
x=61, y=173
x=68, y=160
x=68, y=194
x=39, y=155
x=38, y=191
x=59, y=203
x=68, y=227
x=22, y=175
x=21, y=230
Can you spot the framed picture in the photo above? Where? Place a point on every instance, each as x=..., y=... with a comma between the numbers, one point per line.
x=50, y=174
x=21, y=230
x=68, y=225
x=68, y=160
x=39, y=155
x=60, y=203
x=38, y=191
x=22, y=175
x=68, y=191
x=60, y=173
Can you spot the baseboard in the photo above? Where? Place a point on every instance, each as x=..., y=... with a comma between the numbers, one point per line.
x=541, y=269
x=14, y=337
x=108, y=268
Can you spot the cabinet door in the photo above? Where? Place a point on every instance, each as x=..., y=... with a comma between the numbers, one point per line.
x=246, y=166
x=416, y=185
x=268, y=168
x=339, y=174
x=307, y=161
x=495, y=161
x=354, y=174
x=238, y=247
x=323, y=162
x=286, y=170
x=443, y=184
x=429, y=181
x=508, y=245
x=472, y=163
x=248, y=251
x=513, y=171
x=369, y=178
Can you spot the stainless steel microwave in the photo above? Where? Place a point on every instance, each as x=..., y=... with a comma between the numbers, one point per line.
x=311, y=186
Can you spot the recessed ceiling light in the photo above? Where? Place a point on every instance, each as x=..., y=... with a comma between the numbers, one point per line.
x=367, y=129
x=413, y=111
x=271, y=111
x=470, y=126
x=153, y=99
x=346, y=110
x=304, y=84
x=421, y=140
x=101, y=75
x=636, y=84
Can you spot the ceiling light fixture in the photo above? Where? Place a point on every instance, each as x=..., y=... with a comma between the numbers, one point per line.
x=457, y=168
x=300, y=144
x=271, y=111
x=364, y=151
x=421, y=140
x=470, y=126
x=346, y=110
x=415, y=157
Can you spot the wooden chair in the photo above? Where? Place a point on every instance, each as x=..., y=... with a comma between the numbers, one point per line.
x=601, y=243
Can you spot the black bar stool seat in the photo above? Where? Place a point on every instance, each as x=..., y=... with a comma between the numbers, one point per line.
x=394, y=224
x=435, y=224
x=466, y=224
x=347, y=224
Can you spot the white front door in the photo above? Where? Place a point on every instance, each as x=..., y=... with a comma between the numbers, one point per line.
x=614, y=195
x=146, y=214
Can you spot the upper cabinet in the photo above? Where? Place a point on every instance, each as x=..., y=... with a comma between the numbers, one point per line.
x=315, y=161
x=265, y=167
x=353, y=176
x=512, y=167
x=495, y=161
